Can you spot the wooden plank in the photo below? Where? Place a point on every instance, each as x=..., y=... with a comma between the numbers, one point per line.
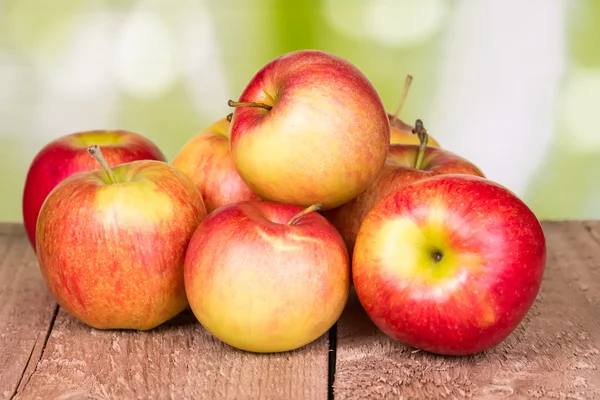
x=26, y=309
x=554, y=353
x=11, y=229
x=177, y=360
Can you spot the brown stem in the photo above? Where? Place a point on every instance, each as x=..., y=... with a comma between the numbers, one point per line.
x=423, y=138
x=405, y=89
x=228, y=117
x=95, y=152
x=232, y=103
x=314, y=207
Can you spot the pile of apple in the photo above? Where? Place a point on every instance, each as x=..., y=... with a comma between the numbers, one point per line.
x=266, y=218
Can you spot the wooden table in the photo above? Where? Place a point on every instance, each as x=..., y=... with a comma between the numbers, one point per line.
x=554, y=353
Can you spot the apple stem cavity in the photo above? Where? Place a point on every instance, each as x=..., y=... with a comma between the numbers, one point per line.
x=314, y=207
x=95, y=152
x=421, y=132
x=405, y=89
x=232, y=103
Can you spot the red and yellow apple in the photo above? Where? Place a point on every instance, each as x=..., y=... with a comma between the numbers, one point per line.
x=267, y=277
x=308, y=128
x=449, y=264
x=399, y=171
x=111, y=245
x=206, y=160
x=68, y=155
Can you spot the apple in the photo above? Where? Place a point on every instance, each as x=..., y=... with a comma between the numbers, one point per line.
x=68, y=155
x=309, y=127
x=450, y=264
x=400, y=131
x=206, y=160
x=400, y=170
x=267, y=277
x=111, y=243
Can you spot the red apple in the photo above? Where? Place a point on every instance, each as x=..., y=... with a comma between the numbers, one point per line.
x=309, y=128
x=399, y=170
x=449, y=264
x=111, y=245
x=206, y=160
x=68, y=155
x=267, y=277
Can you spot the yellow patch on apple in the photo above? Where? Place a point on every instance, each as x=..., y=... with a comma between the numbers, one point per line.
x=121, y=202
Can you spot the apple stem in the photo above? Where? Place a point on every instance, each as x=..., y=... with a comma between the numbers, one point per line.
x=95, y=152
x=423, y=138
x=314, y=207
x=228, y=117
x=232, y=103
x=405, y=89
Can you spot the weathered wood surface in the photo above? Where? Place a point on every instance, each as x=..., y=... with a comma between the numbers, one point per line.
x=177, y=360
x=554, y=353
x=26, y=309
x=49, y=355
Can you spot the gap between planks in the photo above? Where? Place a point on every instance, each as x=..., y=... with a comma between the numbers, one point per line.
x=26, y=309
x=331, y=361
x=39, y=352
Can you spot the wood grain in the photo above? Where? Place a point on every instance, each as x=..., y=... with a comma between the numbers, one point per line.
x=26, y=309
x=177, y=360
x=554, y=353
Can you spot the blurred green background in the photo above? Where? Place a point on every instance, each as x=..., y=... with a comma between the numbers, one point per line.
x=513, y=86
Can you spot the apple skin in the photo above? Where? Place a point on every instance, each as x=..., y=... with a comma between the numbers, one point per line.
x=325, y=138
x=206, y=160
x=398, y=171
x=493, y=255
x=401, y=133
x=112, y=254
x=68, y=155
x=261, y=285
